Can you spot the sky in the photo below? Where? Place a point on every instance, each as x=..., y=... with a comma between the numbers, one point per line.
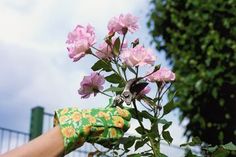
x=35, y=69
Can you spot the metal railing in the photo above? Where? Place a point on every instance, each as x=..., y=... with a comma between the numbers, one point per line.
x=10, y=139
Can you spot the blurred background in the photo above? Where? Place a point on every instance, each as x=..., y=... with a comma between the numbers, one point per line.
x=196, y=38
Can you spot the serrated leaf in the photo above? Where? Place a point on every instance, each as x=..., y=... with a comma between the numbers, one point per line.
x=134, y=114
x=102, y=64
x=168, y=107
x=128, y=142
x=220, y=152
x=139, y=144
x=132, y=70
x=147, y=115
x=116, y=48
x=166, y=126
x=196, y=140
x=140, y=130
x=211, y=149
x=162, y=121
x=114, y=78
x=167, y=137
x=229, y=146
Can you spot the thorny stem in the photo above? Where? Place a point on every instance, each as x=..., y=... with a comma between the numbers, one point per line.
x=155, y=150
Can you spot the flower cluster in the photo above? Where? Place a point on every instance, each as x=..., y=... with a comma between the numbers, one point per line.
x=81, y=42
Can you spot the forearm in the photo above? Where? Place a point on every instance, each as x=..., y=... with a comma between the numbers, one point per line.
x=49, y=144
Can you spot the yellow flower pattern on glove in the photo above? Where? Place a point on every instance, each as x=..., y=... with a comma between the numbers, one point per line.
x=102, y=126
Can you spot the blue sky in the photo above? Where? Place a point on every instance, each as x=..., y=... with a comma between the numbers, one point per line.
x=34, y=66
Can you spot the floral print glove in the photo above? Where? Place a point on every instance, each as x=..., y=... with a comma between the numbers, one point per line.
x=102, y=126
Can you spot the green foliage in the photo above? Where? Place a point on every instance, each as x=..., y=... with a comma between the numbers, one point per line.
x=116, y=49
x=199, y=38
x=114, y=78
x=102, y=65
x=211, y=151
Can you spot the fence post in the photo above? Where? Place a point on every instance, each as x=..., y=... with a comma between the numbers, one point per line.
x=36, y=122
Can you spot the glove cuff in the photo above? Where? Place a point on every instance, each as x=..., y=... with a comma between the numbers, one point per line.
x=66, y=119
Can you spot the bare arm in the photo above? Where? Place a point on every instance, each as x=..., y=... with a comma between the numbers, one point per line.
x=49, y=144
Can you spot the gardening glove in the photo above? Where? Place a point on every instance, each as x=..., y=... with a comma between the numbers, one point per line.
x=102, y=126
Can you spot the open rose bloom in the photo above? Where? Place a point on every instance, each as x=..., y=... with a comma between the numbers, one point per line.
x=91, y=84
x=79, y=41
x=162, y=75
x=137, y=56
x=123, y=23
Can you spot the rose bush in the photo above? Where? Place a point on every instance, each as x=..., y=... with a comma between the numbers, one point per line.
x=116, y=59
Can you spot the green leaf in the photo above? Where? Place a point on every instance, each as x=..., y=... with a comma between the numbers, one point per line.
x=102, y=64
x=162, y=121
x=132, y=70
x=211, y=149
x=133, y=113
x=220, y=152
x=114, y=89
x=229, y=146
x=168, y=107
x=167, y=137
x=195, y=141
x=139, y=144
x=127, y=141
x=140, y=130
x=166, y=126
x=147, y=115
x=116, y=48
x=114, y=78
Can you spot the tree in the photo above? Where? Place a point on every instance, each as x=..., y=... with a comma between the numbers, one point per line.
x=199, y=38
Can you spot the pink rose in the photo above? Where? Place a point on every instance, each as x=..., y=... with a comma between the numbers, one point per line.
x=137, y=56
x=105, y=51
x=123, y=23
x=162, y=75
x=79, y=41
x=91, y=84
